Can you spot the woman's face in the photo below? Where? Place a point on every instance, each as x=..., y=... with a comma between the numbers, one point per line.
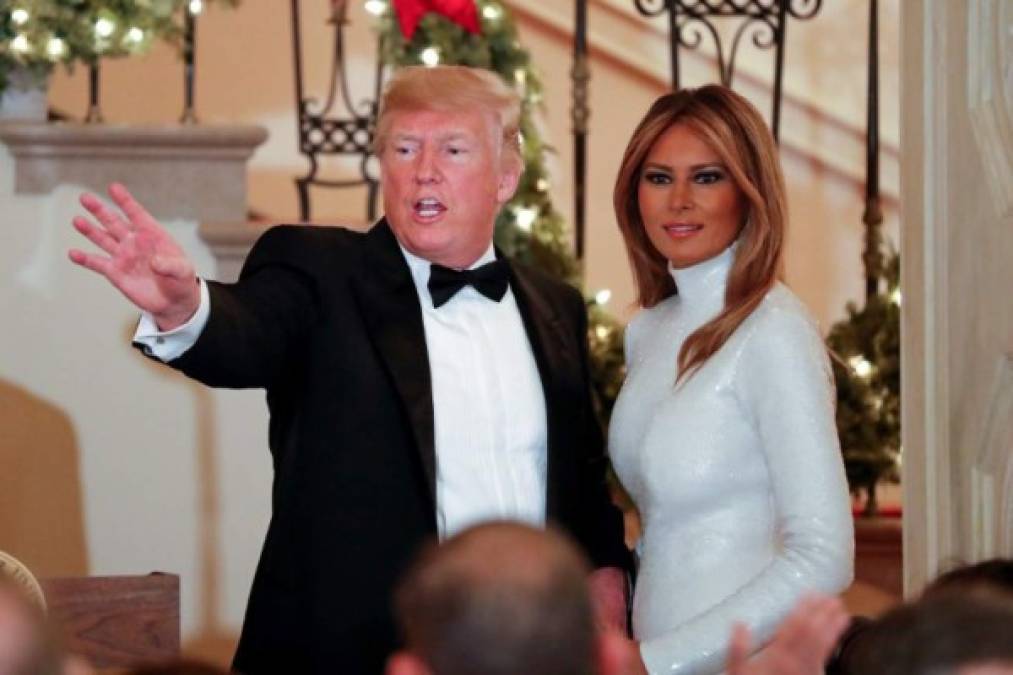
x=689, y=204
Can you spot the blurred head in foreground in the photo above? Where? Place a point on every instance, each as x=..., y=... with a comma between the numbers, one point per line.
x=498, y=599
x=944, y=633
x=26, y=644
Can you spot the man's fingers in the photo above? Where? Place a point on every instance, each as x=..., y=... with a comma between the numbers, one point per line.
x=738, y=649
x=836, y=623
x=830, y=618
x=802, y=644
x=95, y=234
x=109, y=219
x=171, y=266
x=842, y=619
x=95, y=263
x=814, y=626
x=797, y=630
x=616, y=654
x=137, y=214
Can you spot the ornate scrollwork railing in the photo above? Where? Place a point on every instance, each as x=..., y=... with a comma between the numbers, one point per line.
x=338, y=126
x=763, y=22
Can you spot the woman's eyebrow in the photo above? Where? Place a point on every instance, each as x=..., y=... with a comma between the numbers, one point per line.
x=694, y=167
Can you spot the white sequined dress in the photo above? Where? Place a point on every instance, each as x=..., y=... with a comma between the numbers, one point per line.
x=737, y=473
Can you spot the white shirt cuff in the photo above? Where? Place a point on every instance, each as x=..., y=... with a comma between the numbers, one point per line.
x=168, y=345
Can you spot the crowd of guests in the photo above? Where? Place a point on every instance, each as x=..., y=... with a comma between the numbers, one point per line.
x=510, y=599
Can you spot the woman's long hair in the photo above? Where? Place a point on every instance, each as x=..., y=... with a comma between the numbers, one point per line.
x=732, y=128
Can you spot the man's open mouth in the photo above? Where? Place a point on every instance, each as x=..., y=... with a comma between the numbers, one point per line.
x=429, y=207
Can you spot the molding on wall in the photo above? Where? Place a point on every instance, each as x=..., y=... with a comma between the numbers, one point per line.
x=653, y=72
x=990, y=56
x=993, y=470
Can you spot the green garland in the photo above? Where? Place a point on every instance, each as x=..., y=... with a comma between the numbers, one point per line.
x=35, y=35
x=529, y=228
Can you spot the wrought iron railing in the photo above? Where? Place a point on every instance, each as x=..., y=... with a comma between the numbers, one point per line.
x=338, y=126
x=765, y=22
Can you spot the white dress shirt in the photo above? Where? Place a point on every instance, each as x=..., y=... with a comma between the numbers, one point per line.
x=488, y=402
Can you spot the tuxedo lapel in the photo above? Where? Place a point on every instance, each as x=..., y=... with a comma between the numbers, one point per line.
x=389, y=302
x=554, y=356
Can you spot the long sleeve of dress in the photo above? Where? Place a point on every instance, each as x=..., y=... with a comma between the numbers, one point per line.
x=783, y=383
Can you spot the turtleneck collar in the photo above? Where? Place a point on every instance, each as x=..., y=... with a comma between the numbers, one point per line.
x=703, y=284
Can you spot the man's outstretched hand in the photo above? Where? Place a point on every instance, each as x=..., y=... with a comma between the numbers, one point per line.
x=141, y=259
x=802, y=643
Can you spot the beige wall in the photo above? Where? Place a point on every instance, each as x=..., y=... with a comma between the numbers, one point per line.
x=153, y=472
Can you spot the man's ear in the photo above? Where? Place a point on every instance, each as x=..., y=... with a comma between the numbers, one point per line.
x=509, y=177
x=406, y=663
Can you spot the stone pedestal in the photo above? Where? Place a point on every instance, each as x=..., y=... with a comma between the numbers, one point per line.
x=190, y=172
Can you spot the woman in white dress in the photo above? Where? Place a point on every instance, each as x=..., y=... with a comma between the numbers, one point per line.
x=724, y=432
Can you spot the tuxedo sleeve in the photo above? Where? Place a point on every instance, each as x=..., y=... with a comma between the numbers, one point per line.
x=257, y=325
x=602, y=526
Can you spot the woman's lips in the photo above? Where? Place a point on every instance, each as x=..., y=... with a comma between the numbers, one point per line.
x=681, y=230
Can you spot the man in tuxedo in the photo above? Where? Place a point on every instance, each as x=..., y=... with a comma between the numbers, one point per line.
x=417, y=381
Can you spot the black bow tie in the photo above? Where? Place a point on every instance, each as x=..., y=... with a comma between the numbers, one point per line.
x=491, y=280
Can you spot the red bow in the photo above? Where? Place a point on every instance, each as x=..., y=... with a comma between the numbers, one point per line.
x=462, y=12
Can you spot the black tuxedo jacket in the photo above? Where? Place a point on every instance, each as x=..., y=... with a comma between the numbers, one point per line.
x=328, y=321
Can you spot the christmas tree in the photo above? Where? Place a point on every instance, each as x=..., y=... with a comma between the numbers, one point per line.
x=482, y=33
x=866, y=350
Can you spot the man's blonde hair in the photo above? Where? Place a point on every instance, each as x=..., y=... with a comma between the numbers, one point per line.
x=451, y=89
